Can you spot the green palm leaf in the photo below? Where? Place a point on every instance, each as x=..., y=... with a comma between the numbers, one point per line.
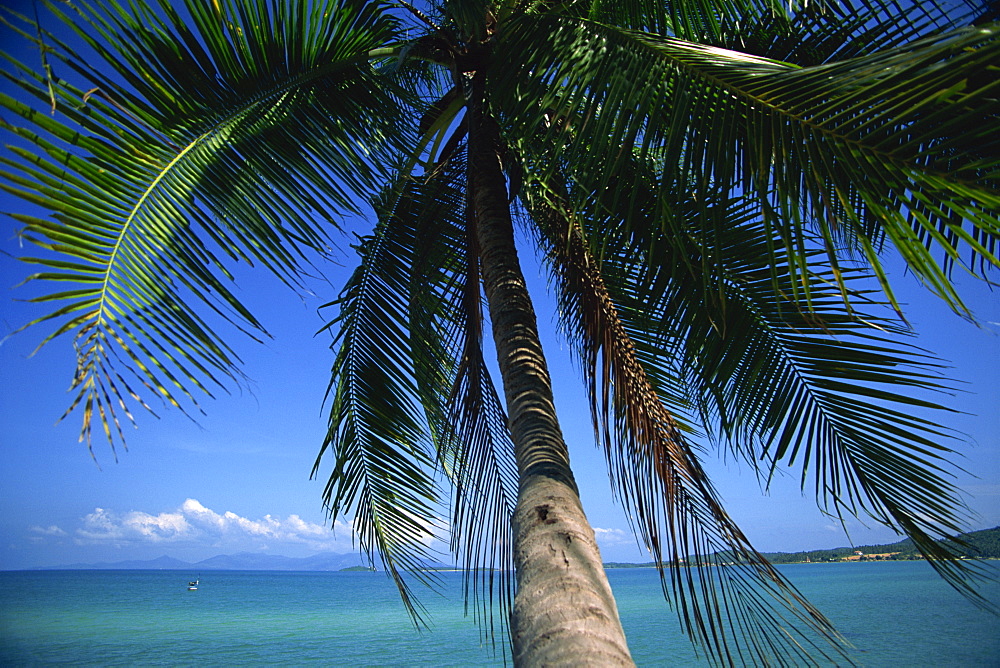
x=796, y=137
x=140, y=176
x=706, y=177
x=383, y=462
x=829, y=387
x=710, y=301
x=817, y=383
x=474, y=442
x=723, y=22
x=412, y=317
x=657, y=475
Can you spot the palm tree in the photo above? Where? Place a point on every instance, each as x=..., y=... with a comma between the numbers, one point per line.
x=713, y=186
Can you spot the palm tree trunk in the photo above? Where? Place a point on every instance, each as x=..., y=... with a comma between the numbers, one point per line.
x=564, y=612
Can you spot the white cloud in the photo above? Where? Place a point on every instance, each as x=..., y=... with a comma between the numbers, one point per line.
x=192, y=523
x=100, y=526
x=199, y=515
x=162, y=527
x=609, y=537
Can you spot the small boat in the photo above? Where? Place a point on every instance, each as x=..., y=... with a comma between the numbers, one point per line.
x=193, y=585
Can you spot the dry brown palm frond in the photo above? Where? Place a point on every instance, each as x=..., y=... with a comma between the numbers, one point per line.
x=727, y=594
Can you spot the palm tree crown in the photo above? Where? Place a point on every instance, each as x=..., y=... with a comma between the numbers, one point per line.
x=713, y=184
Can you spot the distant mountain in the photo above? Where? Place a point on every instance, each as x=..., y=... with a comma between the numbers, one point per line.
x=163, y=563
x=243, y=561
x=249, y=561
x=982, y=544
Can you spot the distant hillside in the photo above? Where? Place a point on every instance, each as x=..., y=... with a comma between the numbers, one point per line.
x=984, y=544
x=249, y=561
x=163, y=563
x=243, y=561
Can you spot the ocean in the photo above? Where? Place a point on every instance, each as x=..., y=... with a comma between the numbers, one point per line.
x=895, y=613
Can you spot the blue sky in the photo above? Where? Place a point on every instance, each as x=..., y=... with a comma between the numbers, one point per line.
x=238, y=478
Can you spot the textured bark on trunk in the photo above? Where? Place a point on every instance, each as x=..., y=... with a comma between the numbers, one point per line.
x=564, y=612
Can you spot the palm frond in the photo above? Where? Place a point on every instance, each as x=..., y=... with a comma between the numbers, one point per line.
x=788, y=373
x=383, y=459
x=828, y=388
x=730, y=600
x=816, y=383
x=734, y=24
x=149, y=182
x=913, y=121
x=413, y=311
x=815, y=33
x=464, y=410
x=481, y=461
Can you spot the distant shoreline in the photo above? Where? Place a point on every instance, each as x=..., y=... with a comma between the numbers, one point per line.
x=608, y=566
x=623, y=566
x=978, y=545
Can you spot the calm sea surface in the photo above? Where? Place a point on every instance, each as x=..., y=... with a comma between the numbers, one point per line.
x=896, y=614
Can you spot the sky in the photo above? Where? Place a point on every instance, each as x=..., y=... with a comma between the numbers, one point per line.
x=237, y=478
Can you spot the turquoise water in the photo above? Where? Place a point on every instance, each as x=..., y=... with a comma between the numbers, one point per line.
x=897, y=614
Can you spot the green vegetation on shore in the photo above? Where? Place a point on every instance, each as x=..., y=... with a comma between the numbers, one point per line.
x=984, y=544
